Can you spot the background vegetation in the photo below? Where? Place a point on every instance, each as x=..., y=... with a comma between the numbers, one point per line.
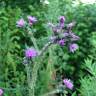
x=58, y=63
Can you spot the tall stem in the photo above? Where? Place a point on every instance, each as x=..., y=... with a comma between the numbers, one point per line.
x=35, y=68
x=28, y=77
x=32, y=38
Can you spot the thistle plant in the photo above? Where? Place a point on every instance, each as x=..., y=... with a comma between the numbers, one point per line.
x=62, y=35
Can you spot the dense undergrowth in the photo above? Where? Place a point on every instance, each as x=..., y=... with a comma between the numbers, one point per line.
x=57, y=62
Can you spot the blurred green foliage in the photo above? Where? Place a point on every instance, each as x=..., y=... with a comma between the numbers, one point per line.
x=65, y=64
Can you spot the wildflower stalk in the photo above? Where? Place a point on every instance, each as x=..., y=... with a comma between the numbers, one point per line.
x=33, y=73
x=34, y=78
x=32, y=38
x=31, y=78
x=28, y=77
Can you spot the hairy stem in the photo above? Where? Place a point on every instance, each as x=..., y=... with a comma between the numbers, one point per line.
x=32, y=38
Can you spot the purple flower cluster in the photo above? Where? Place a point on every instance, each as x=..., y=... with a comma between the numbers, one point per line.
x=68, y=83
x=63, y=37
x=30, y=53
x=60, y=35
x=22, y=22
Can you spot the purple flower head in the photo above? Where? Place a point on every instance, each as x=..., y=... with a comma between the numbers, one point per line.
x=73, y=47
x=61, y=20
x=32, y=19
x=21, y=23
x=1, y=92
x=30, y=53
x=68, y=83
x=61, y=42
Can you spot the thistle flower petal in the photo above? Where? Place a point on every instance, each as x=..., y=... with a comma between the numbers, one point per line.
x=73, y=47
x=61, y=42
x=1, y=92
x=21, y=23
x=32, y=19
x=30, y=53
x=68, y=83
